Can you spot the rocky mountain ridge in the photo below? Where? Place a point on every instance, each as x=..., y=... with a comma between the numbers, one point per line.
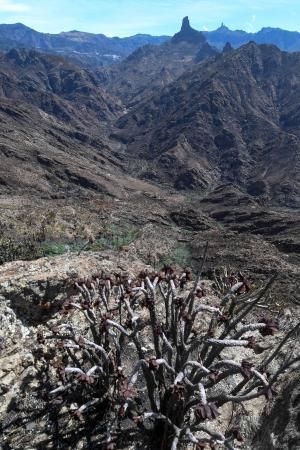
x=94, y=50
x=232, y=118
x=89, y=49
x=288, y=41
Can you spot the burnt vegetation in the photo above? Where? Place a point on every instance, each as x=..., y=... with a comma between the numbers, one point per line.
x=154, y=359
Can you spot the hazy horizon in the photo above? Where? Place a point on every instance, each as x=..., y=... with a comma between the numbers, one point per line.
x=129, y=17
x=141, y=32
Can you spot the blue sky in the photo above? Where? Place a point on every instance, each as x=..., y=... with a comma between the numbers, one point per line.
x=128, y=17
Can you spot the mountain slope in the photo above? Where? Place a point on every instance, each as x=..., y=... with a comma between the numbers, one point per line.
x=232, y=119
x=150, y=68
x=87, y=48
x=54, y=121
x=55, y=85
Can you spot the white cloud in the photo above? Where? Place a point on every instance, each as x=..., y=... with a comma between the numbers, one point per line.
x=12, y=6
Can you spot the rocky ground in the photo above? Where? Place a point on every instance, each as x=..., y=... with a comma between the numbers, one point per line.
x=31, y=294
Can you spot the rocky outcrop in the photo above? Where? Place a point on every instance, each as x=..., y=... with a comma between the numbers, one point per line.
x=188, y=34
x=189, y=219
x=280, y=427
x=30, y=285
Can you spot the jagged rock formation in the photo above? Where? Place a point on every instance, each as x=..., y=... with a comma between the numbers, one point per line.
x=151, y=68
x=188, y=34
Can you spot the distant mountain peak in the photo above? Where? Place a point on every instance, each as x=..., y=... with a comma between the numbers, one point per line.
x=188, y=34
x=223, y=27
x=186, y=26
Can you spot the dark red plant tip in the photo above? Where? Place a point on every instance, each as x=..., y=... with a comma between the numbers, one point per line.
x=246, y=369
x=44, y=305
x=251, y=342
x=142, y=275
x=223, y=318
x=178, y=390
x=85, y=379
x=60, y=345
x=152, y=276
x=138, y=420
x=88, y=283
x=162, y=276
x=199, y=293
x=81, y=281
x=168, y=270
x=268, y=391
x=127, y=391
x=81, y=342
x=187, y=317
x=55, y=329
x=236, y=433
x=271, y=328
x=158, y=329
x=232, y=279
x=128, y=323
x=179, y=301
x=211, y=333
x=213, y=375
x=103, y=325
x=128, y=290
x=189, y=275
x=182, y=282
x=153, y=364
x=77, y=414
x=208, y=411
x=40, y=337
x=121, y=412
x=201, y=445
x=95, y=276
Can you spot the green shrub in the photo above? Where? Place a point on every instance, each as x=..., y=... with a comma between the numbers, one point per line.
x=181, y=255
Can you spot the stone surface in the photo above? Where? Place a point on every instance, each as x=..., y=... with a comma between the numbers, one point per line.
x=280, y=425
